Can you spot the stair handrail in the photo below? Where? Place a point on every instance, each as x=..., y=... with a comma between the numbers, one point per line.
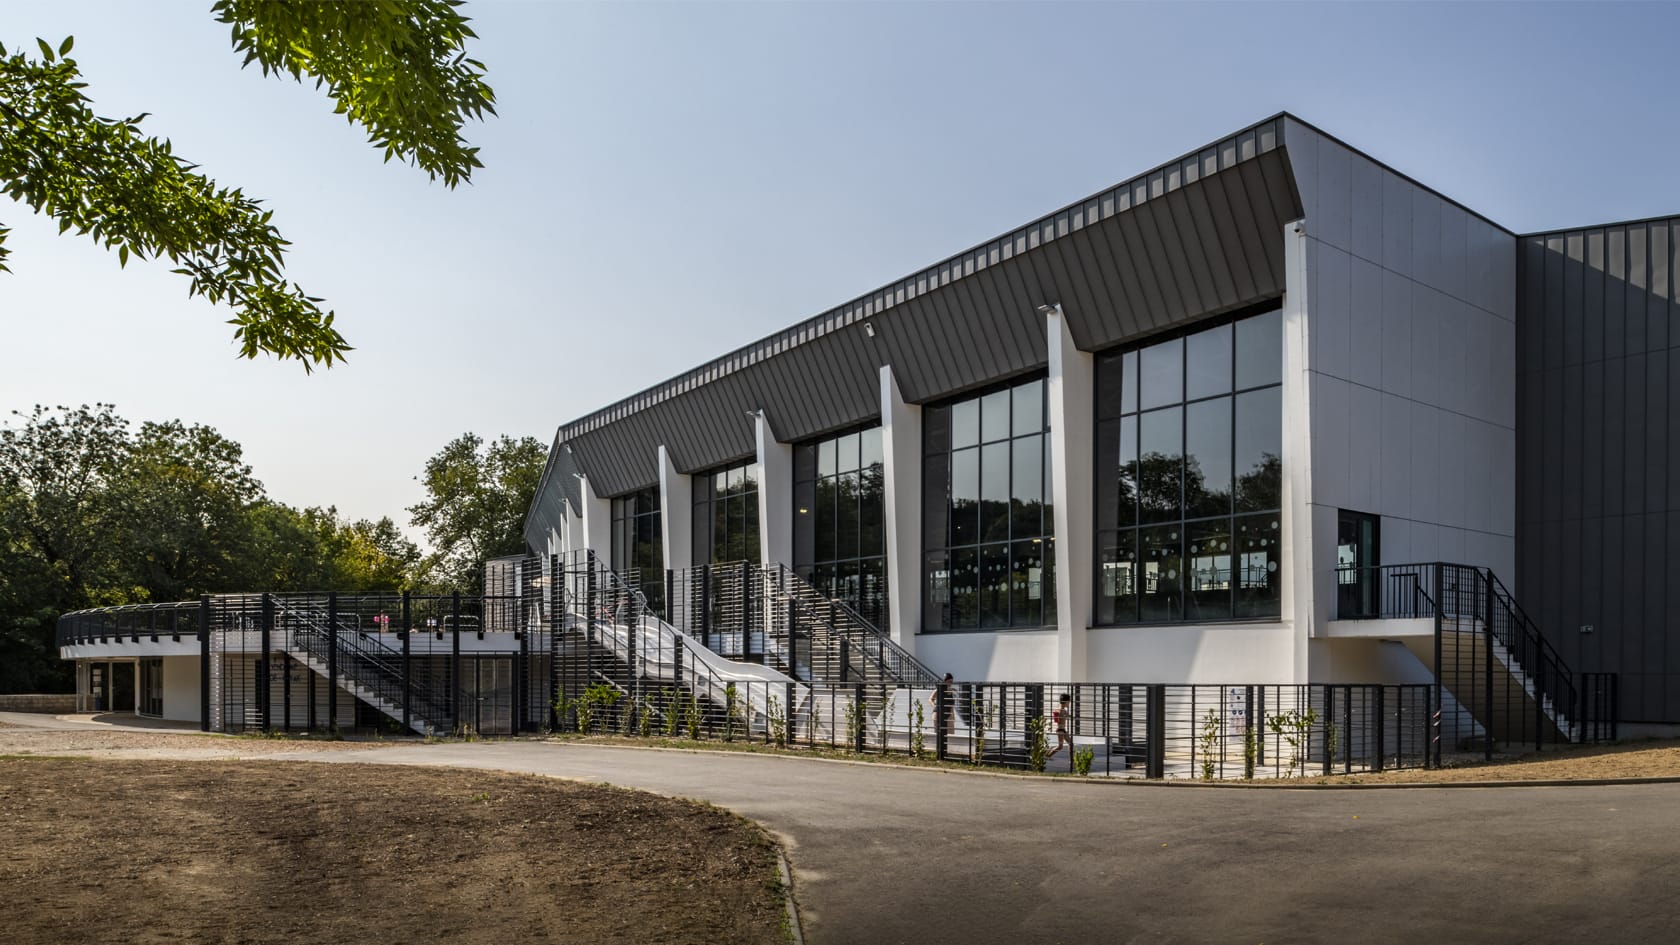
x=909, y=671
x=386, y=679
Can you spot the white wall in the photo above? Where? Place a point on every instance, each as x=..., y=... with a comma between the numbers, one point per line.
x=1193, y=653
x=676, y=513
x=181, y=691
x=1072, y=428
x=1411, y=365
x=775, y=496
x=901, y=464
x=1014, y=656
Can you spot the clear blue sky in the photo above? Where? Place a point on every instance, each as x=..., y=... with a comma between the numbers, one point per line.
x=666, y=183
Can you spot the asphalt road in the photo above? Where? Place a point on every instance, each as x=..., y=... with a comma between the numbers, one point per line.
x=894, y=855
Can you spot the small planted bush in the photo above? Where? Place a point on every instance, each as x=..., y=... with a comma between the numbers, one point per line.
x=1082, y=758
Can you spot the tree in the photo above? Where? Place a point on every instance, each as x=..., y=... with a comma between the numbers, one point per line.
x=477, y=495
x=398, y=68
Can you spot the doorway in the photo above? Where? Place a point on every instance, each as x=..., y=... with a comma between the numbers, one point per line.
x=1358, y=565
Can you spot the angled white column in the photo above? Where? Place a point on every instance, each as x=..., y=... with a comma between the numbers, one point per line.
x=901, y=460
x=1071, y=431
x=597, y=521
x=676, y=513
x=775, y=496
x=1295, y=540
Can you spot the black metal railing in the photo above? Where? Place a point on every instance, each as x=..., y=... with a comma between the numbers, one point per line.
x=1503, y=681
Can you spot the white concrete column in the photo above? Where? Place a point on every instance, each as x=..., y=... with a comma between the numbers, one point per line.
x=597, y=521
x=1072, y=407
x=775, y=496
x=571, y=530
x=901, y=462
x=676, y=513
x=1298, y=604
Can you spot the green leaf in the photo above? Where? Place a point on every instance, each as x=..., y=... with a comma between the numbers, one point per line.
x=46, y=51
x=64, y=47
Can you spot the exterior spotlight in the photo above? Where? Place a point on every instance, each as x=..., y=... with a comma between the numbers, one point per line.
x=869, y=329
x=1049, y=308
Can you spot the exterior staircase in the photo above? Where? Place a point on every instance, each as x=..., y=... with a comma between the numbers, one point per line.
x=366, y=667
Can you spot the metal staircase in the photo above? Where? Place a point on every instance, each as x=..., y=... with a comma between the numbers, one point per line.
x=364, y=666
x=1510, y=684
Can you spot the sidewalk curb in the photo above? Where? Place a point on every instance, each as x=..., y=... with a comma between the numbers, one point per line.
x=1279, y=784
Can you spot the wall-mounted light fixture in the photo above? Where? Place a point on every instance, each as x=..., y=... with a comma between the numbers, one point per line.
x=1050, y=308
x=869, y=329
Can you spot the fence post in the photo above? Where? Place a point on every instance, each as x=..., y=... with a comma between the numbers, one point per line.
x=1380, y=713
x=1155, y=749
x=332, y=662
x=1329, y=724
x=407, y=669
x=1439, y=700
x=941, y=706
x=845, y=660
x=1487, y=671
x=267, y=646
x=455, y=663
x=862, y=717
x=706, y=605
x=788, y=713
x=204, y=663
x=746, y=611
x=670, y=596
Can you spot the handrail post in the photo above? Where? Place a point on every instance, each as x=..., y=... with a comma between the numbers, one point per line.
x=407, y=721
x=863, y=720
x=1487, y=670
x=267, y=646
x=1439, y=694
x=455, y=664
x=1155, y=737
x=332, y=662
x=941, y=706
x=706, y=605
x=204, y=663
x=1380, y=714
x=746, y=611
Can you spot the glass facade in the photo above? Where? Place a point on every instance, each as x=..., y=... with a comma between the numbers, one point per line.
x=1188, y=437
x=726, y=516
x=638, y=544
x=839, y=498
x=988, y=531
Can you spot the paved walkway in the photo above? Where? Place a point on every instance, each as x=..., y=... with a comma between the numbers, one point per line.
x=897, y=855
x=894, y=855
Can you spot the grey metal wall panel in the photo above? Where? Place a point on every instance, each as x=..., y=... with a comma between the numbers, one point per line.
x=558, y=484
x=1599, y=442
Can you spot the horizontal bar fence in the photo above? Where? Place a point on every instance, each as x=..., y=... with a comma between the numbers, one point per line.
x=565, y=644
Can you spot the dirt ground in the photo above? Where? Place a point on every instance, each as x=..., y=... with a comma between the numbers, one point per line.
x=1655, y=758
x=250, y=852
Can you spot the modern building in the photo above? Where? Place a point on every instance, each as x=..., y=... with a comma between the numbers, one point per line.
x=1195, y=429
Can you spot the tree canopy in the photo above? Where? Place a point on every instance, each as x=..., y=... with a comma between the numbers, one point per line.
x=94, y=513
x=477, y=494
x=398, y=68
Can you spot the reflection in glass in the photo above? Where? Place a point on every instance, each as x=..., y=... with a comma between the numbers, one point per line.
x=1026, y=495
x=1161, y=573
x=1207, y=458
x=1026, y=584
x=1027, y=406
x=965, y=496
x=1117, y=581
x=965, y=424
x=1208, y=559
x=994, y=491
x=965, y=588
x=1260, y=350
x=994, y=585
x=1207, y=363
x=1259, y=577
x=1162, y=374
x=994, y=416
x=1160, y=465
x=1259, y=444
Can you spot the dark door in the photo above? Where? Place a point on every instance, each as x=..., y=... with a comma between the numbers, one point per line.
x=1357, y=566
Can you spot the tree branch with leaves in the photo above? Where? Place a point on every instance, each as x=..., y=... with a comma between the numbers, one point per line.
x=396, y=67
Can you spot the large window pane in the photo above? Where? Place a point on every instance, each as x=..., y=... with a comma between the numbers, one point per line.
x=1160, y=465
x=1161, y=563
x=1207, y=458
x=1109, y=377
x=1259, y=444
x=825, y=531
x=994, y=585
x=994, y=416
x=846, y=516
x=825, y=458
x=1162, y=374
x=871, y=505
x=1026, y=495
x=1209, y=570
x=965, y=424
x=965, y=589
x=1128, y=483
x=994, y=492
x=936, y=431
x=1027, y=408
x=1259, y=571
x=1117, y=578
x=965, y=496
x=1026, y=584
x=1260, y=350
x=1129, y=380
x=846, y=453
x=1207, y=363
x=869, y=446
x=936, y=596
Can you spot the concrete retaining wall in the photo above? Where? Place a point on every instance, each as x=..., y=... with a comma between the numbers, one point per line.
x=51, y=704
